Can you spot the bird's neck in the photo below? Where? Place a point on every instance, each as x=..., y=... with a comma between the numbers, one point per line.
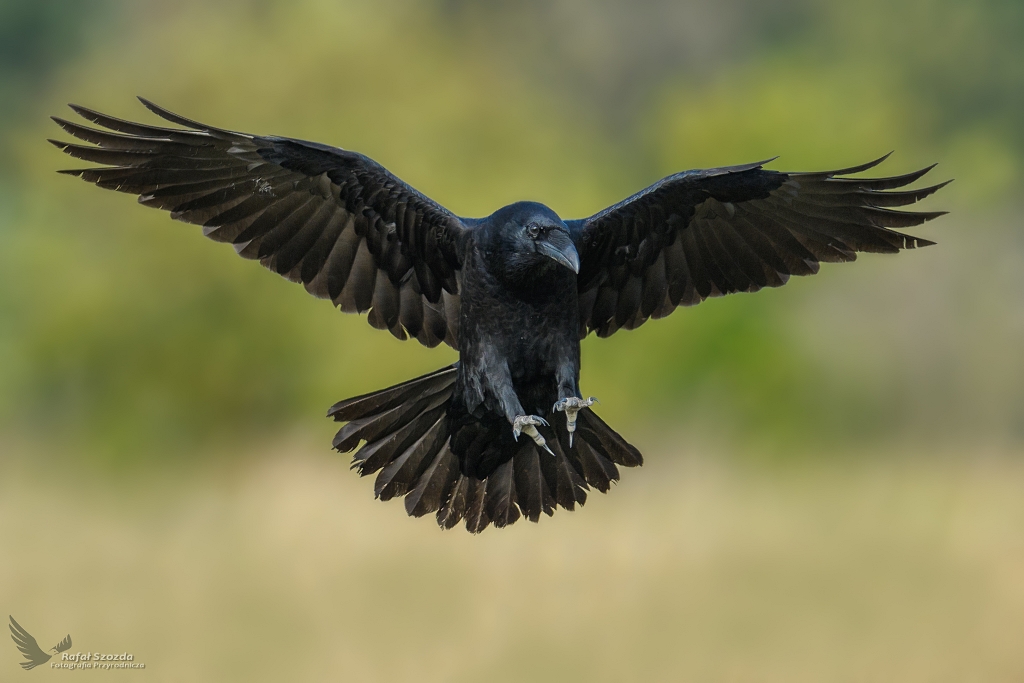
x=527, y=278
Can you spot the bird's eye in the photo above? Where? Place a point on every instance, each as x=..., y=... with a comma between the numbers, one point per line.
x=533, y=231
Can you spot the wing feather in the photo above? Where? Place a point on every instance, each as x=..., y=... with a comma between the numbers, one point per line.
x=705, y=233
x=334, y=220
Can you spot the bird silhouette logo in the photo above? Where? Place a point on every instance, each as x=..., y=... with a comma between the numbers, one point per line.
x=30, y=648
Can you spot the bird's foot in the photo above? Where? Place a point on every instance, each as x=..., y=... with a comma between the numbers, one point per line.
x=527, y=424
x=572, y=406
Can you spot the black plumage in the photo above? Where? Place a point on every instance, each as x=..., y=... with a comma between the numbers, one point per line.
x=514, y=292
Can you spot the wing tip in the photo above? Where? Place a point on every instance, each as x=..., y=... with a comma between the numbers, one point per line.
x=862, y=167
x=927, y=169
x=157, y=109
x=169, y=115
x=154, y=107
x=935, y=188
x=753, y=166
x=922, y=172
x=84, y=112
x=916, y=243
x=74, y=129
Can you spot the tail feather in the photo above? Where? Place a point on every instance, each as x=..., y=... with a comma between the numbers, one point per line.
x=406, y=435
x=477, y=518
x=607, y=441
x=454, y=509
x=398, y=477
x=534, y=496
x=435, y=485
x=564, y=482
x=501, y=496
x=376, y=402
x=598, y=470
x=373, y=427
x=376, y=454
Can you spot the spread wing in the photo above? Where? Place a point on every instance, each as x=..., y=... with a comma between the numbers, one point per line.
x=335, y=221
x=711, y=232
x=64, y=644
x=28, y=646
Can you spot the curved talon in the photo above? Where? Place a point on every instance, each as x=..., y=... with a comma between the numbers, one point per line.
x=572, y=406
x=527, y=424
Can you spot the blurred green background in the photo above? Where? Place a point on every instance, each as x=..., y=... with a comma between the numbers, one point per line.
x=833, y=487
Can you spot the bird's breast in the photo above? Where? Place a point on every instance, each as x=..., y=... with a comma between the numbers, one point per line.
x=531, y=329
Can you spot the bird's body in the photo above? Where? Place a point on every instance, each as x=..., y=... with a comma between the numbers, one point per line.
x=518, y=334
x=505, y=432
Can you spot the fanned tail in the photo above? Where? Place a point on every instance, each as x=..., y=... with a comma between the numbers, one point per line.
x=407, y=439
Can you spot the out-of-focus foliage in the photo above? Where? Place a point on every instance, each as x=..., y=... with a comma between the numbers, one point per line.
x=130, y=334
x=36, y=38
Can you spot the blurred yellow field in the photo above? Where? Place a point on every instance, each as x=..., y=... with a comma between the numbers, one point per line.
x=884, y=567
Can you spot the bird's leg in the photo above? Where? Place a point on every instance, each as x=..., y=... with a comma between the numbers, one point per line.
x=527, y=424
x=569, y=394
x=572, y=406
x=498, y=380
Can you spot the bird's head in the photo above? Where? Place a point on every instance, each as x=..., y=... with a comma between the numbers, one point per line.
x=529, y=238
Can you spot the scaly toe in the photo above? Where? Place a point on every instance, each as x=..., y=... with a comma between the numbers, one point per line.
x=571, y=407
x=527, y=424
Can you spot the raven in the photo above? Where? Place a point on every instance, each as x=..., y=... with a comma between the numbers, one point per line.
x=505, y=432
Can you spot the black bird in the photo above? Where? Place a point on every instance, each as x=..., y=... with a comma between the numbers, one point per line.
x=505, y=432
x=34, y=655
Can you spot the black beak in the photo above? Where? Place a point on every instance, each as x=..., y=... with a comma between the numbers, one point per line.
x=558, y=245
